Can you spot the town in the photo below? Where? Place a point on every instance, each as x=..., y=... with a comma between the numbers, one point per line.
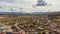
x=30, y=24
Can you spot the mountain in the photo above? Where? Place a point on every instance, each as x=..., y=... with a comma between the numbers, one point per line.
x=11, y=13
x=30, y=13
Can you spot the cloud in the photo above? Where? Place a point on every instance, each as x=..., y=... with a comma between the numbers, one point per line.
x=27, y=6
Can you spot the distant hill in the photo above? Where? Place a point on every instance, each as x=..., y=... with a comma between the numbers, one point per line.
x=30, y=13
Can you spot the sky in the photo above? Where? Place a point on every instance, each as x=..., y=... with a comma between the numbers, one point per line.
x=28, y=6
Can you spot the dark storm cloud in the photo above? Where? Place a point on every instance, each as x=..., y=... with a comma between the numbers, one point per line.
x=41, y=3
